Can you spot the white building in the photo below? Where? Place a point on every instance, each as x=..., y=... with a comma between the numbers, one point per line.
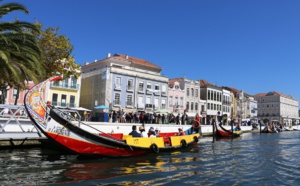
x=275, y=106
x=123, y=82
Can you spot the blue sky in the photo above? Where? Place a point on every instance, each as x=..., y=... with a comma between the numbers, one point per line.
x=251, y=45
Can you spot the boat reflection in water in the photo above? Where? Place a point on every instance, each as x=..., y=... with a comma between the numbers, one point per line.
x=82, y=170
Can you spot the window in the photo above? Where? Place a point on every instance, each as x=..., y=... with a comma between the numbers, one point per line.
x=187, y=105
x=187, y=92
x=54, y=99
x=72, y=101
x=129, y=100
x=118, y=83
x=163, y=89
x=171, y=101
x=208, y=94
x=141, y=86
x=15, y=92
x=181, y=102
x=117, y=99
x=130, y=85
x=63, y=100
x=192, y=106
x=73, y=82
x=156, y=102
x=163, y=103
x=196, y=106
x=196, y=92
x=56, y=83
x=156, y=87
x=215, y=96
x=66, y=82
x=192, y=91
x=176, y=101
x=149, y=85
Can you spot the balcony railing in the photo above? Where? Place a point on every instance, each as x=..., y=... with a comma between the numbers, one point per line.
x=163, y=93
x=118, y=86
x=60, y=104
x=129, y=88
x=117, y=102
x=67, y=86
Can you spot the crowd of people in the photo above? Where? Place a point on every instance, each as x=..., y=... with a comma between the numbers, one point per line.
x=150, y=118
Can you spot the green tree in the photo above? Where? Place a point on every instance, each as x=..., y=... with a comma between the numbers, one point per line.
x=56, y=53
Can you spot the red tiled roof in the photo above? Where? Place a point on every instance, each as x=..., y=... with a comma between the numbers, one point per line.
x=203, y=82
x=271, y=93
x=136, y=60
x=175, y=79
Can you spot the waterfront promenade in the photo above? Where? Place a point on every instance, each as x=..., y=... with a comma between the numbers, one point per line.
x=16, y=132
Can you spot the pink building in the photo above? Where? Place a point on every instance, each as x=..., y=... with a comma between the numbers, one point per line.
x=11, y=95
x=176, y=96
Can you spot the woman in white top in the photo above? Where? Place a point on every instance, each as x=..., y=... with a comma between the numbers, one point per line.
x=143, y=133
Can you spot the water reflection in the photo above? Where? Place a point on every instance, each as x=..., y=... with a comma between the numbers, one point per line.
x=253, y=159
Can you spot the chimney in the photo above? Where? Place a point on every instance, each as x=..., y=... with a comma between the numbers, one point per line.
x=108, y=55
x=126, y=57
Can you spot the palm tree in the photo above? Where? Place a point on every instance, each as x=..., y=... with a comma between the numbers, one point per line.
x=19, y=51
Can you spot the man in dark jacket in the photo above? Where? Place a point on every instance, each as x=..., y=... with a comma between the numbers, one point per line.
x=134, y=133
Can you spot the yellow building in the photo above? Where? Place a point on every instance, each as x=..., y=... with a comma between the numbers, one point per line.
x=65, y=93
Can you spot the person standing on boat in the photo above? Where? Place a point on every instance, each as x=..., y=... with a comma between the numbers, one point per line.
x=196, y=126
x=134, y=133
x=142, y=131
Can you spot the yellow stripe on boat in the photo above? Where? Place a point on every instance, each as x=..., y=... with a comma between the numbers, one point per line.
x=145, y=142
x=176, y=140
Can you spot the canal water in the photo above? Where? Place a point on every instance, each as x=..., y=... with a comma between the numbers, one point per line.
x=252, y=159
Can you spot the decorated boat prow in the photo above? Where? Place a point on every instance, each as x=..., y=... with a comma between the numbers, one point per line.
x=220, y=131
x=77, y=137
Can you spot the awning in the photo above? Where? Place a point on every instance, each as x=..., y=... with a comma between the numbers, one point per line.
x=191, y=114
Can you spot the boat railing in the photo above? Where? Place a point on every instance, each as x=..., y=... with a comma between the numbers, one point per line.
x=70, y=117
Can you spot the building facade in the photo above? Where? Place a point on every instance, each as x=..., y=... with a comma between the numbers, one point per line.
x=275, y=106
x=124, y=82
x=176, y=97
x=64, y=93
x=213, y=96
x=11, y=94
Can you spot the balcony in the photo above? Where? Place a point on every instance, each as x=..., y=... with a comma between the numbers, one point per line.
x=117, y=86
x=116, y=102
x=60, y=104
x=129, y=104
x=163, y=93
x=148, y=91
x=149, y=106
x=129, y=88
x=65, y=86
x=141, y=90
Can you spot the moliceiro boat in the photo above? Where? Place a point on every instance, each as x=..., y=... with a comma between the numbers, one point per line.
x=220, y=131
x=77, y=137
